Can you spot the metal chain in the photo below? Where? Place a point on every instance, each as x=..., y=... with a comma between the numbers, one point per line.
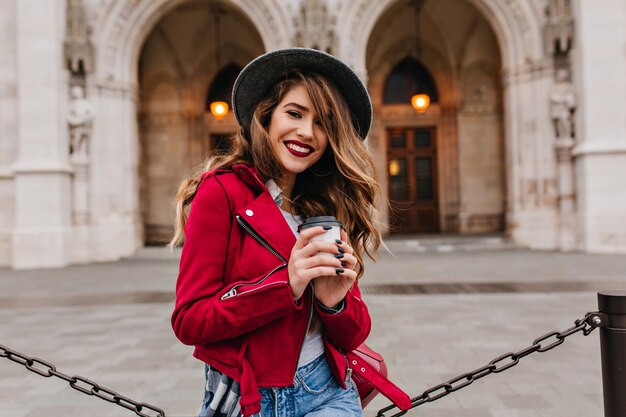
x=84, y=385
x=503, y=362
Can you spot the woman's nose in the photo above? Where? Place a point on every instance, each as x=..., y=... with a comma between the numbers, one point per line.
x=305, y=129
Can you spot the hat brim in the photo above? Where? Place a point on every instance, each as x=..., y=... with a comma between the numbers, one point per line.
x=263, y=72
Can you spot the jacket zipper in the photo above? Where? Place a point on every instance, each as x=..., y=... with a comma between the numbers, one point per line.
x=308, y=326
x=233, y=291
x=258, y=238
x=348, y=370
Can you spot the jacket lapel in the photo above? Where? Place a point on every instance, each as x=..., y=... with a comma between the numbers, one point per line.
x=263, y=215
x=265, y=218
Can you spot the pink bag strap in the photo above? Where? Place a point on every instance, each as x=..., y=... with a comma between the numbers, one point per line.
x=381, y=383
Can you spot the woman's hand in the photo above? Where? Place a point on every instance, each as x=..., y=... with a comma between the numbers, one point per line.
x=330, y=290
x=311, y=260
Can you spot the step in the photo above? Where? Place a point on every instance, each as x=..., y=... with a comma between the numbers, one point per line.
x=449, y=243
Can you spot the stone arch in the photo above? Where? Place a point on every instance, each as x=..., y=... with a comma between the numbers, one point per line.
x=119, y=33
x=515, y=23
x=122, y=30
x=447, y=58
x=524, y=74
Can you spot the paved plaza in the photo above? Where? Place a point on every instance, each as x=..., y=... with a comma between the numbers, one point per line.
x=438, y=311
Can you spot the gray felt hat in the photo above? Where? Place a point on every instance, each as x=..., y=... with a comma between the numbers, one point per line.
x=264, y=71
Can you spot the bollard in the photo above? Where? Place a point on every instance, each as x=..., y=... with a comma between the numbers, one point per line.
x=613, y=352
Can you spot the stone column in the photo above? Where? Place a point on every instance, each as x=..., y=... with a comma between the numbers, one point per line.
x=41, y=235
x=530, y=166
x=8, y=128
x=79, y=118
x=566, y=194
x=562, y=107
x=115, y=218
x=599, y=68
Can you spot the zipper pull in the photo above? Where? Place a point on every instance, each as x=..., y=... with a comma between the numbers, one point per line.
x=348, y=375
x=229, y=294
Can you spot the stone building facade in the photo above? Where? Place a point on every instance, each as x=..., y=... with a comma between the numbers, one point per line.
x=103, y=111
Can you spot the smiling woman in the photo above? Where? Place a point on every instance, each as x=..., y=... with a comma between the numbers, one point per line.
x=269, y=311
x=297, y=136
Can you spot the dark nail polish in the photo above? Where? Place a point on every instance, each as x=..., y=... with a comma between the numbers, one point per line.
x=343, y=263
x=341, y=250
x=327, y=227
x=339, y=256
x=339, y=271
x=339, y=242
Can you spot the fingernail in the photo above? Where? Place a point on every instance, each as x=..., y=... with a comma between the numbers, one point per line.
x=343, y=263
x=339, y=242
x=327, y=227
x=341, y=250
x=339, y=271
x=339, y=256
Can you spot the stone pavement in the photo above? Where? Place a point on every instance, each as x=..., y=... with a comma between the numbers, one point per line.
x=451, y=311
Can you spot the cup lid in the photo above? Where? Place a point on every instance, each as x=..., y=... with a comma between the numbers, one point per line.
x=319, y=221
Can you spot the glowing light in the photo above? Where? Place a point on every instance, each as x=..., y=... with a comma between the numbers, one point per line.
x=394, y=168
x=420, y=102
x=219, y=109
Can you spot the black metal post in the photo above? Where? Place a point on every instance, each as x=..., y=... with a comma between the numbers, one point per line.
x=613, y=351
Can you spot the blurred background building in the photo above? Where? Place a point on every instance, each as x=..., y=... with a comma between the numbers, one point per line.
x=505, y=116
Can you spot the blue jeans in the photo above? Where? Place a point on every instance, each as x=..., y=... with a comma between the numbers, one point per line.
x=315, y=393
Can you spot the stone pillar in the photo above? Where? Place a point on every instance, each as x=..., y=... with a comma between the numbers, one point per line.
x=530, y=167
x=8, y=128
x=41, y=235
x=559, y=44
x=449, y=169
x=566, y=194
x=115, y=218
x=79, y=118
x=600, y=66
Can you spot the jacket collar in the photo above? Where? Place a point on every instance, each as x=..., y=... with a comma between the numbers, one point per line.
x=263, y=214
x=250, y=176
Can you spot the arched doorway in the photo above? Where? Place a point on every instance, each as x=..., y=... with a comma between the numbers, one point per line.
x=411, y=154
x=190, y=59
x=453, y=153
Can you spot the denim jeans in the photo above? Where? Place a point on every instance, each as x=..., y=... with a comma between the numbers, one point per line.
x=315, y=393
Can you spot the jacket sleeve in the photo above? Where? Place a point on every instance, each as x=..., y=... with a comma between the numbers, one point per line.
x=349, y=328
x=202, y=313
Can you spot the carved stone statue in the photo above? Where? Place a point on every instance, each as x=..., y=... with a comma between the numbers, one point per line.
x=79, y=119
x=562, y=105
x=315, y=25
x=559, y=28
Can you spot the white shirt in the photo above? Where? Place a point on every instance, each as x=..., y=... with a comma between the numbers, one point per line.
x=313, y=345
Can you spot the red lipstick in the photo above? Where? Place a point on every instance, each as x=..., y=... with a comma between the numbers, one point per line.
x=299, y=144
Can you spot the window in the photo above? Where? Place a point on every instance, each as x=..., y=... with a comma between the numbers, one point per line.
x=222, y=85
x=409, y=77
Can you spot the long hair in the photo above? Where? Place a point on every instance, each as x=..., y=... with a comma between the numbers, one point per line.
x=341, y=183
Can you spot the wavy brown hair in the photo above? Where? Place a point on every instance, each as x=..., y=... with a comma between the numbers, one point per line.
x=341, y=183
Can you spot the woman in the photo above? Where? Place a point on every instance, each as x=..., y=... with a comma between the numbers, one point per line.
x=269, y=313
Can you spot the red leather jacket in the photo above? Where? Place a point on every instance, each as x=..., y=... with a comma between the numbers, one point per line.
x=233, y=300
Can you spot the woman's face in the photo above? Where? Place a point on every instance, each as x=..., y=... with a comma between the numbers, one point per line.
x=296, y=134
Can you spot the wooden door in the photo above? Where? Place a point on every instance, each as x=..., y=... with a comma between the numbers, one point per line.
x=412, y=174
